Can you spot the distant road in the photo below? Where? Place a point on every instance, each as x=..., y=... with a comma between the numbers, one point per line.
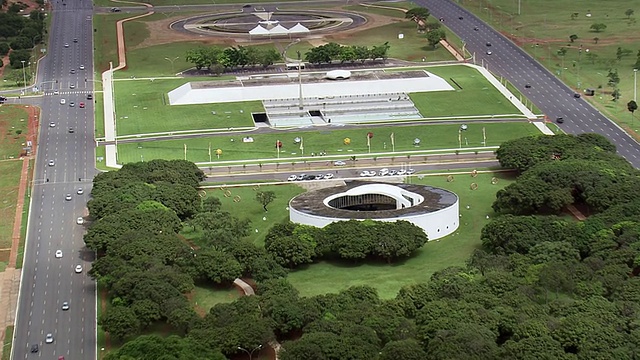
x=547, y=92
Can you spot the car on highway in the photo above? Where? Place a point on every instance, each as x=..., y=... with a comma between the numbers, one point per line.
x=576, y=95
x=65, y=306
x=75, y=40
x=80, y=191
x=89, y=96
x=489, y=52
x=383, y=172
x=115, y=9
x=488, y=44
x=72, y=86
x=71, y=130
x=58, y=254
x=52, y=163
x=339, y=163
x=72, y=104
x=52, y=124
x=81, y=105
x=393, y=172
x=402, y=172
x=475, y=28
x=528, y=86
x=49, y=338
x=35, y=348
x=78, y=269
x=81, y=67
x=559, y=120
x=63, y=101
x=300, y=177
x=411, y=171
x=66, y=45
x=328, y=176
x=292, y=178
x=309, y=177
x=67, y=197
x=56, y=92
x=80, y=221
x=72, y=71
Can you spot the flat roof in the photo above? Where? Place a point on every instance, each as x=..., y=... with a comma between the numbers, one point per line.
x=312, y=202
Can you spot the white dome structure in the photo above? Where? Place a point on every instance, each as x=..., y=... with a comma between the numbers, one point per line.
x=338, y=74
x=434, y=210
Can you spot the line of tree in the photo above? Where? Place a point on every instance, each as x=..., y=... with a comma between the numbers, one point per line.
x=294, y=244
x=332, y=52
x=540, y=287
x=217, y=59
x=20, y=34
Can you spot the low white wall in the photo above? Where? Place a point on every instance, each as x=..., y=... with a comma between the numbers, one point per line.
x=435, y=224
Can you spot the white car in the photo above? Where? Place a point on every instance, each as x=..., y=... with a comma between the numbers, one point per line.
x=78, y=269
x=410, y=171
x=339, y=163
x=65, y=306
x=72, y=86
x=328, y=176
x=365, y=173
x=66, y=45
x=67, y=197
x=80, y=191
x=52, y=163
x=402, y=172
x=81, y=67
x=52, y=124
x=58, y=254
x=56, y=92
x=292, y=178
x=383, y=172
x=49, y=339
x=63, y=101
x=80, y=221
x=72, y=104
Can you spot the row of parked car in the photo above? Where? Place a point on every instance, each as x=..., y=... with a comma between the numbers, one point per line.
x=386, y=172
x=303, y=177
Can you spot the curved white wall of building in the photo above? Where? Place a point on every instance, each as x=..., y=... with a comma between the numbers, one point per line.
x=436, y=224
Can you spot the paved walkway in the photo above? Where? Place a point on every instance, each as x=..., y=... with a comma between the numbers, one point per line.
x=111, y=156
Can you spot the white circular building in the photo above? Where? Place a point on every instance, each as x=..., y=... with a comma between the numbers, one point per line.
x=434, y=210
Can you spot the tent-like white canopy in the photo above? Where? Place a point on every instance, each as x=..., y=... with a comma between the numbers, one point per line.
x=259, y=30
x=298, y=28
x=279, y=30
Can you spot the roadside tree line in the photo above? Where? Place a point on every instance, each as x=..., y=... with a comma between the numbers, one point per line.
x=217, y=59
x=333, y=52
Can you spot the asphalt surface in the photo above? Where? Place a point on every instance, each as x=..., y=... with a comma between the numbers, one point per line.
x=553, y=97
x=48, y=281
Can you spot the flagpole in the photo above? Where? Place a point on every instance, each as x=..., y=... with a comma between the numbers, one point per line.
x=460, y=138
x=369, y=143
x=393, y=142
x=302, y=145
x=484, y=136
x=278, y=147
x=209, y=152
x=185, y=151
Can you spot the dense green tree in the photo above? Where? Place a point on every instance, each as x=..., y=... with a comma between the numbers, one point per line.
x=154, y=347
x=403, y=349
x=217, y=266
x=434, y=36
x=120, y=322
x=290, y=252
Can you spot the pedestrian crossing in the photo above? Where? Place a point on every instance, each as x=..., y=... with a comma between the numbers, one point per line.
x=76, y=92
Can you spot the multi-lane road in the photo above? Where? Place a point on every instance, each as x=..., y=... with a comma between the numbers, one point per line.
x=48, y=281
x=549, y=94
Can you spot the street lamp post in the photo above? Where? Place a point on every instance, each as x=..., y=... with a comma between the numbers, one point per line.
x=250, y=353
x=24, y=78
x=635, y=85
x=172, y=60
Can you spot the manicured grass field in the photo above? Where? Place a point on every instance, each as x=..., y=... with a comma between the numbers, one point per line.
x=142, y=107
x=477, y=94
x=104, y=39
x=542, y=33
x=205, y=297
x=331, y=277
x=249, y=208
x=332, y=142
x=12, y=119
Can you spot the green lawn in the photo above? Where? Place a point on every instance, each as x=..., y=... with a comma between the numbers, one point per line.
x=249, y=208
x=8, y=339
x=542, y=33
x=331, y=277
x=332, y=142
x=205, y=297
x=478, y=95
x=142, y=107
x=13, y=128
x=104, y=39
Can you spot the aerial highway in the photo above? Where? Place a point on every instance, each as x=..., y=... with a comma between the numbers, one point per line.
x=550, y=94
x=64, y=164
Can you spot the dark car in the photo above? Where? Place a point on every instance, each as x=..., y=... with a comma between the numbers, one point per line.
x=460, y=17
x=528, y=86
x=71, y=130
x=559, y=120
x=475, y=28
x=246, y=6
x=488, y=44
x=89, y=96
x=576, y=95
x=115, y=9
x=34, y=348
x=309, y=177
